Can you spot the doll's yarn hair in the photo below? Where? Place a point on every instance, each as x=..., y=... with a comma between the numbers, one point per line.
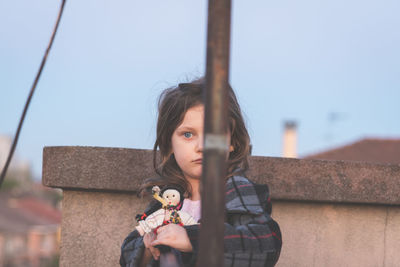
x=172, y=107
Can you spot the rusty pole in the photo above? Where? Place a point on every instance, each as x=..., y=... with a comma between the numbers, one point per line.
x=216, y=144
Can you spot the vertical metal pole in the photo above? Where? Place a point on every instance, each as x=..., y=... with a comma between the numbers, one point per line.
x=216, y=144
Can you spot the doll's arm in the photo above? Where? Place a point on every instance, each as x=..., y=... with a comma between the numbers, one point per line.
x=186, y=218
x=151, y=222
x=140, y=229
x=163, y=202
x=156, y=194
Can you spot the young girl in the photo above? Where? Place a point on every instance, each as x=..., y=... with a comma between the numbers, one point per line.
x=252, y=237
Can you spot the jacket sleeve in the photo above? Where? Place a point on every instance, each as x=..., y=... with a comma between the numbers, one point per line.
x=254, y=241
x=132, y=250
x=251, y=235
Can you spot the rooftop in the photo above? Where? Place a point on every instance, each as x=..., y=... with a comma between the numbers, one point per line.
x=366, y=150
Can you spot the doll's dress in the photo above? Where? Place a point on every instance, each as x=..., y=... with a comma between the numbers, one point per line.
x=156, y=219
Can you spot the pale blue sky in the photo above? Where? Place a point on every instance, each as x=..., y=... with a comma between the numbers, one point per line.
x=300, y=60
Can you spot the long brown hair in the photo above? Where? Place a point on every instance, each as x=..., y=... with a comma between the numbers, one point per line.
x=172, y=106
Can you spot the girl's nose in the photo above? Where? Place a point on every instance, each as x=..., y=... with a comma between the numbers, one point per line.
x=200, y=143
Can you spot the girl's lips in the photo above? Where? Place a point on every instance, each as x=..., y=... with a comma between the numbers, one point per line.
x=198, y=161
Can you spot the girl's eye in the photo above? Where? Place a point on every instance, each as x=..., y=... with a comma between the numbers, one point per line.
x=188, y=134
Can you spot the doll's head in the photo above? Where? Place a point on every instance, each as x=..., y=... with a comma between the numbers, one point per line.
x=173, y=195
x=172, y=106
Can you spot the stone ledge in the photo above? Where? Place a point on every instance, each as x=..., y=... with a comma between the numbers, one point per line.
x=122, y=169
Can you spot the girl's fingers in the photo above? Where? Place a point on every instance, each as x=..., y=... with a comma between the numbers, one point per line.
x=147, y=239
x=168, y=228
x=155, y=252
x=155, y=243
x=162, y=235
x=174, y=236
x=166, y=234
x=158, y=241
x=161, y=229
x=161, y=239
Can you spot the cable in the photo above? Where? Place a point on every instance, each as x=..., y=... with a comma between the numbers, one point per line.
x=14, y=144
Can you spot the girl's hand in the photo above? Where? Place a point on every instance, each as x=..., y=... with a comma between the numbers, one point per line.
x=173, y=235
x=147, y=239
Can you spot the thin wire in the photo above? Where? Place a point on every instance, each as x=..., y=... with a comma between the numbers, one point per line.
x=14, y=144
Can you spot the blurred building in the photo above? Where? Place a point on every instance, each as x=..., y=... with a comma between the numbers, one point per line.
x=29, y=231
x=29, y=217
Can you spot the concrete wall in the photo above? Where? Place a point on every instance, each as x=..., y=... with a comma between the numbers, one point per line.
x=330, y=213
x=94, y=225
x=318, y=234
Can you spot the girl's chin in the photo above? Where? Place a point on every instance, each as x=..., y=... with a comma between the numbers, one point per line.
x=193, y=177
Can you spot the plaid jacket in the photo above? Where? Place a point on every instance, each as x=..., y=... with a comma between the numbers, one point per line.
x=252, y=237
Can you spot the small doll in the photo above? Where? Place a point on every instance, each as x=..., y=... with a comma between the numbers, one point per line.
x=171, y=201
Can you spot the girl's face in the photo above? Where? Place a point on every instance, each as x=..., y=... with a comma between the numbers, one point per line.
x=187, y=143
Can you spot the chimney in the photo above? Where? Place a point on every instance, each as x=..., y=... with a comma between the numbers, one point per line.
x=290, y=140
